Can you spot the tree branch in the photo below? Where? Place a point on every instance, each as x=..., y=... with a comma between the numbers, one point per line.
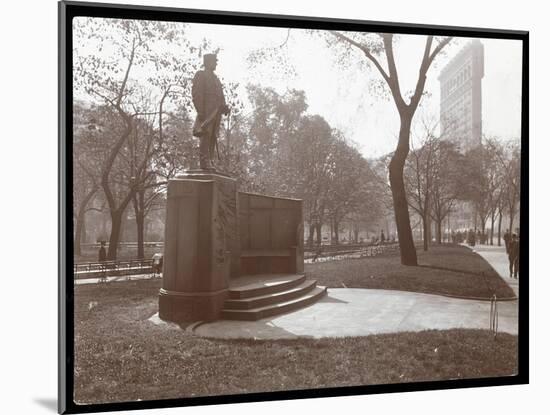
x=365, y=50
x=393, y=81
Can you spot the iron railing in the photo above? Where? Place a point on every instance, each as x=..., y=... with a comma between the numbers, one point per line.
x=112, y=268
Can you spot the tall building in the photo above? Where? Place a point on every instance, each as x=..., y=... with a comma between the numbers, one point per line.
x=460, y=115
x=460, y=105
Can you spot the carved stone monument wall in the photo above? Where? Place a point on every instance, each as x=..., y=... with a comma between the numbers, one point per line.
x=271, y=234
x=213, y=234
x=200, y=238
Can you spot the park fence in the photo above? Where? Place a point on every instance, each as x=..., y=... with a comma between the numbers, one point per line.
x=325, y=253
x=314, y=254
x=112, y=268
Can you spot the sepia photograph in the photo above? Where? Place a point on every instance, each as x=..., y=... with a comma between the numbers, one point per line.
x=277, y=207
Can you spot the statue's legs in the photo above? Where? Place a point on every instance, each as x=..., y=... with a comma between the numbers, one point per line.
x=214, y=137
x=212, y=147
x=204, y=153
x=208, y=146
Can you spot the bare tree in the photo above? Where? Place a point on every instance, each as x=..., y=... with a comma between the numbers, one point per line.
x=419, y=176
x=85, y=166
x=483, y=180
x=309, y=169
x=106, y=78
x=510, y=161
x=376, y=47
x=446, y=185
x=350, y=183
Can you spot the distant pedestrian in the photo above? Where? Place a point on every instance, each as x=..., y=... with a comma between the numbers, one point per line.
x=318, y=253
x=471, y=238
x=158, y=260
x=513, y=256
x=382, y=236
x=102, y=256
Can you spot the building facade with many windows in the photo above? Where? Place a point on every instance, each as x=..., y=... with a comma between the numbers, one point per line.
x=460, y=105
x=460, y=115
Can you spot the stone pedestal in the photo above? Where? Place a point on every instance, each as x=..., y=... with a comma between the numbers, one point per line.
x=201, y=237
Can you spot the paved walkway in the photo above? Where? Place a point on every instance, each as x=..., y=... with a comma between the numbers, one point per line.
x=497, y=257
x=360, y=312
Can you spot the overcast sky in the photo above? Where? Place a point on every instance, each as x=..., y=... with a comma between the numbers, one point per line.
x=344, y=96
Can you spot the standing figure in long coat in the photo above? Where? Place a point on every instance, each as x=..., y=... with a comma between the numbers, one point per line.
x=209, y=102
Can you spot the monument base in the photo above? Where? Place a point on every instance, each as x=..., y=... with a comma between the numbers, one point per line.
x=201, y=236
x=183, y=307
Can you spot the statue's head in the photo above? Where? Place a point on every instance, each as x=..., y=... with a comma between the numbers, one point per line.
x=210, y=61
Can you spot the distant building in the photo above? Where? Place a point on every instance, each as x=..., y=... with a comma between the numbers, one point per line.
x=460, y=105
x=460, y=115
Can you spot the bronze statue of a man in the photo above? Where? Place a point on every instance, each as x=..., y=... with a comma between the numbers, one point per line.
x=209, y=102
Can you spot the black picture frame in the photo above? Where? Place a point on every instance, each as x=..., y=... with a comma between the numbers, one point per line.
x=67, y=10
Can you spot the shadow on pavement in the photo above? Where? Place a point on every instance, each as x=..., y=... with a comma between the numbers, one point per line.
x=329, y=299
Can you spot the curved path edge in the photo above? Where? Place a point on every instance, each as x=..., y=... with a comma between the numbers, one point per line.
x=348, y=312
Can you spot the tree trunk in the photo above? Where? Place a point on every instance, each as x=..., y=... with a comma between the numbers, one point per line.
x=123, y=235
x=140, y=221
x=139, y=213
x=80, y=221
x=482, y=227
x=318, y=227
x=114, y=238
x=311, y=230
x=492, y=227
x=356, y=235
x=400, y=205
x=512, y=214
x=438, y=231
x=84, y=235
x=449, y=231
x=425, y=232
x=499, y=226
x=78, y=234
x=336, y=232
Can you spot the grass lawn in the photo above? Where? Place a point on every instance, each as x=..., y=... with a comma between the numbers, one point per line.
x=446, y=269
x=121, y=356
